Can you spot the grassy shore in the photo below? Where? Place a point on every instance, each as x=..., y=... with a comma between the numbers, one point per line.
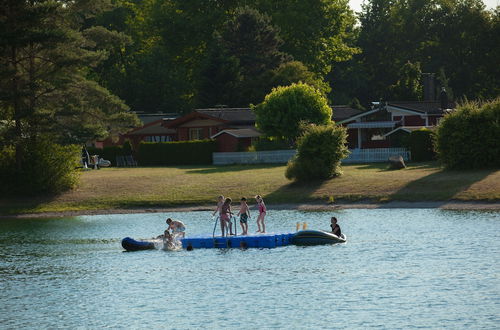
x=157, y=187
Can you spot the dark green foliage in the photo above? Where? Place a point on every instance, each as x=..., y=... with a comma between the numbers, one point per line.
x=176, y=153
x=266, y=143
x=127, y=148
x=296, y=72
x=285, y=108
x=240, y=63
x=460, y=37
x=469, y=137
x=108, y=153
x=421, y=144
x=47, y=94
x=319, y=153
x=408, y=86
x=47, y=168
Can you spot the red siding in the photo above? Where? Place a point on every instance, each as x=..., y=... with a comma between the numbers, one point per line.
x=413, y=121
x=226, y=143
x=229, y=143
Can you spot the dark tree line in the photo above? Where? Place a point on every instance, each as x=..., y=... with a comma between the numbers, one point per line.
x=187, y=54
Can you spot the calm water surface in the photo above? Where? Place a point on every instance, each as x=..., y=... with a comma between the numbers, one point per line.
x=400, y=269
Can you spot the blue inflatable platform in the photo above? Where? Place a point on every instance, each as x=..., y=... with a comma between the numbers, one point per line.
x=270, y=240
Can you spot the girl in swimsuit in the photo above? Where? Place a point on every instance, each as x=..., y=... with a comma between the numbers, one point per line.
x=225, y=216
x=262, y=214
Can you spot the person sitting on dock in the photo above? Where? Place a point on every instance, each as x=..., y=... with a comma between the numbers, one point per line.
x=178, y=228
x=244, y=214
x=335, y=227
x=225, y=217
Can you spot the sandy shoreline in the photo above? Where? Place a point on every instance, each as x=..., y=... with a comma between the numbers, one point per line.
x=446, y=205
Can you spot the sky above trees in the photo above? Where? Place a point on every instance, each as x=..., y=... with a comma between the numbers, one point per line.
x=356, y=4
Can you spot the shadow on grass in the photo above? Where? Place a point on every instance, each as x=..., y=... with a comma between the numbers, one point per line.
x=230, y=168
x=18, y=205
x=440, y=186
x=384, y=166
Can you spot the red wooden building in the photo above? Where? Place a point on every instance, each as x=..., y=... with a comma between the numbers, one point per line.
x=381, y=126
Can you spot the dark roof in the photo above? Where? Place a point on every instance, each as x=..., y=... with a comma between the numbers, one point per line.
x=239, y=133
x=231, y=115
x=341, y=112
x=431, y=107
x=153, y=128
x=147, y=118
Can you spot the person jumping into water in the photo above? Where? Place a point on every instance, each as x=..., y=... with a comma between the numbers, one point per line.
x=262, y=214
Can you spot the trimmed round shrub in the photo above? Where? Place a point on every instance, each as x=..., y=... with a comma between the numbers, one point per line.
x=319, y=153
x=421, y=144
x=285, y=108
x=470, y=136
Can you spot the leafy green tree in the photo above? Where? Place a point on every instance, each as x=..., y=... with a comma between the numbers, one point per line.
x=319, y=153
x=296, y=72
x=315, y=32
x=458, y=36
x=44, y=77
x=220, y=79
x=408, y=86
x=284, y=110
x=251, y=39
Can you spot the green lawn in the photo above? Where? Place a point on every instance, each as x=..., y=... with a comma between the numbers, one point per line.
x=193, y=185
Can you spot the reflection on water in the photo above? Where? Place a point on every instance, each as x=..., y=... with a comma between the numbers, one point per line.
x=399, y=269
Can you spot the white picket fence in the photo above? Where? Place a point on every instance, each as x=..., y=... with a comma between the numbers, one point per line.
x=283, y=156
x=375, y=155
x=257, y=157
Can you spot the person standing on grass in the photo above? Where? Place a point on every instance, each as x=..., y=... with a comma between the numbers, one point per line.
x=262, y=213
x=225, y=217
x=244, y=214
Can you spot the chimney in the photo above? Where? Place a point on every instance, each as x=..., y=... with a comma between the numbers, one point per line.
x=429, y=89
x=443, y=98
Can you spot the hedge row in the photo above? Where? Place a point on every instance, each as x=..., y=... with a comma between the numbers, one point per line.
x=469, y=137
x=421, y=145
x=176, y=153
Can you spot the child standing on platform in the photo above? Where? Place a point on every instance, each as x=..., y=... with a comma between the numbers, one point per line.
x=225, y=216
x=244, y=214
x=262, y=214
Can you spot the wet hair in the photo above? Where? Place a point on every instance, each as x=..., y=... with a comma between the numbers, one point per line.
x=243, y=199
x=243, y=245
x=333, y=218
x=189, y=248
x=169, y=220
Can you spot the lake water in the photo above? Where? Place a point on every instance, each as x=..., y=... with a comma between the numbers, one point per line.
x=416, y=268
